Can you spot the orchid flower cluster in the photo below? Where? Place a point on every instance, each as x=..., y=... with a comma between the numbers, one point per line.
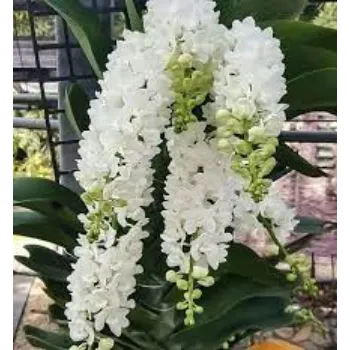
x=212, y=95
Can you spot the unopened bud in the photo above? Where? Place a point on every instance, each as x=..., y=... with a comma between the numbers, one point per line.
x=198, y=309
x=224, y=145
x=207, y=281
x=222, y=132
x=222, y=116
x=267, y=167
x=197, y=293
x=181, y=305
x=182, y=284
x=225, y=345
x=185, y=60
x=171, y=276
x=199, y=272
x=257, y=135
x=106, y=344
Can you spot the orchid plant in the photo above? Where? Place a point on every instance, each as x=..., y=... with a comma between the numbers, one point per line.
x=180, y=239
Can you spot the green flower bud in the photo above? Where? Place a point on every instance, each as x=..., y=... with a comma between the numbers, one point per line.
x=291, y=277
x=189, y=321
x=243, y=147
x=272, y=141
x=198, y=309
x=197, y=293
x=187, y=83
x=267, y=167
x=191, y=104
x=185, y=60
x=257, y=135
x=171, y=276
x=199, y=272
x=268, y=150
x=236, y=126
x=182, y=284
x=106, y=344
x=207, y=281
x=225, y=345
x=197, y=75
x=222, y=116
x=291, y=309
x=222, y=132
x=182, y=305
x=224, y=145
x=189, y=313
x=244, y=109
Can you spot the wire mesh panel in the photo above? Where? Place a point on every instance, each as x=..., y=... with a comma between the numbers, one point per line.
x=43, y=66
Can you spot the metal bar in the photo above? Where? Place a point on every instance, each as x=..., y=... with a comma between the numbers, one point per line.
x=68, y=172
x=55, y=46
x=36, y=124
x=309, y=136
x=42, y=90
x=41, y=9
x=30, y=75
x=35, y=99
x=66, y=142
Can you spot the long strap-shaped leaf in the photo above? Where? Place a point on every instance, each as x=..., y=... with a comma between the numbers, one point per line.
x=35, y=225
x=77, y=105
x=311, y=61
x=261, y=10
x=288, y=157
x=47, y=340
x=135, y=20
x=302, y=33
x=92, y=36
x=29, y=190
x=46, y=262
x=312, y=91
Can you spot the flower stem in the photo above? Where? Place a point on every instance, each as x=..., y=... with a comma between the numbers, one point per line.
x=267, y=224
x=190, y=286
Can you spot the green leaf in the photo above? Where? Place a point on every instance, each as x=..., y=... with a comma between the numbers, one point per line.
x=77, y=105
x=290, y=158
x=46, y=262
x=256, y=314
x=244, y=262
x=312, y=91
x=35, y=225
x=57, y=291
x=304, y=34
x=278, y=172
x=57, y=314
x=231, y=290
x=47, y=340
x=260, y=10
x=294, y=246
x=27, y=191
x=309, y=224
x=135, y=20
x=301, y=59
x=61, y=216
x=93, y=37
x=308, y=49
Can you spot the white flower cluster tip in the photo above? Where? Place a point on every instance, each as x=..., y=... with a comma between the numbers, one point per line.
x=201, y=195
x=205, y=199
x=127, y=120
